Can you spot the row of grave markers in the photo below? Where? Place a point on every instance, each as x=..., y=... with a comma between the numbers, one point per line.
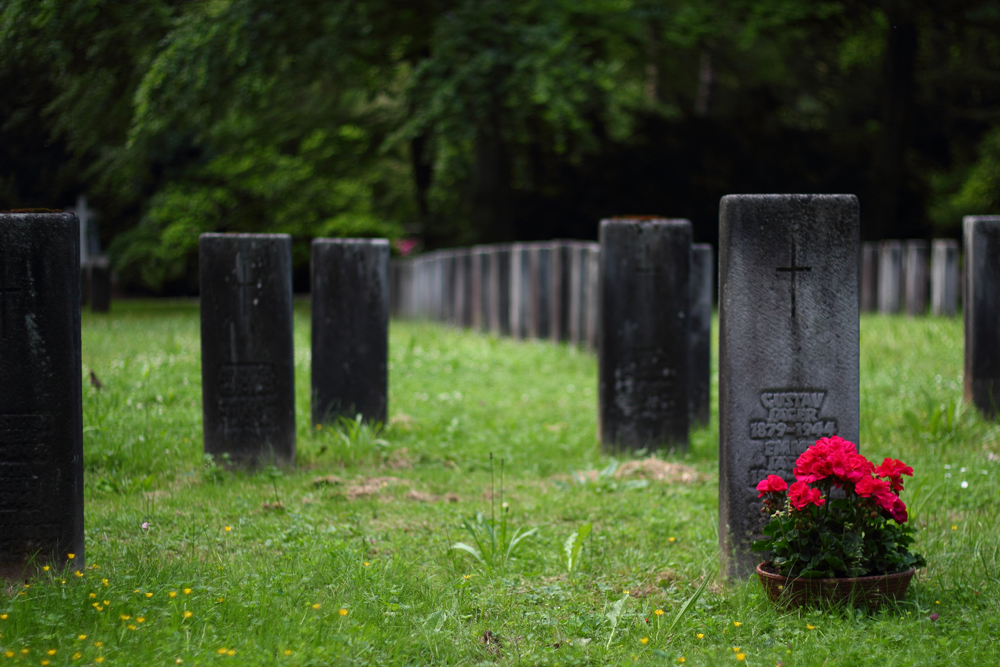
x=895, y=277
x=788, y=355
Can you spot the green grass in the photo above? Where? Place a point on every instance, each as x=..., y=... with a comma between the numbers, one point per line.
x=385, y=558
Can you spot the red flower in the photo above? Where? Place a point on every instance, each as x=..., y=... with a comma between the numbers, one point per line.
x=834, y=457
x=868, y=486
x=894, y=469
x=800, y=494
x=772, y=484
x=892, y=504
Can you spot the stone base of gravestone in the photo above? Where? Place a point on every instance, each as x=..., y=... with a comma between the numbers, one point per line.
x=100, y=283
x=350, y=329
x=981, y=311
x=41, y=431
x=247, y=362
x=702, y=302
x=789, y=364
x=643, y=359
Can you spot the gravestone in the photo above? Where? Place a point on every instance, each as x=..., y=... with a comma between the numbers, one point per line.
x=592, y=325
x=540, y=290
x=788, y=346
x=481, y=288
x=520, y=291
x=944, y=277
x=982, y=313
x=559, y=304
x=915, y=276
x=41, y=429
x=890, y=277
x=350, y=329
x=702, y=298
x=584, y=259
x=643, y=363
x=99, y=271
x=499, y=287
x=247, y=363
x=463, y=288
x=869, y=277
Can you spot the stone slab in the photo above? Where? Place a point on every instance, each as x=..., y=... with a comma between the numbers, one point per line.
x=41, y=428
x=559, y=304
x=944, y=277
x=499, y=285
x=247, y=362
x=540, y=290
x=643, y=364
x=981, y=311
x=463, y=288
x=788, y=346
x=481, y=288
x=520, y=291
x=702, y=303
x=890, y=277
x=350, y=329
x=915, y=277
x=869, y=277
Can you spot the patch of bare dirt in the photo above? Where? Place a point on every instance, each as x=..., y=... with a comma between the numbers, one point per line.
x=423, y=497
x=362, y=487
x=399, y=460
x=656, y=470
x=404, y=422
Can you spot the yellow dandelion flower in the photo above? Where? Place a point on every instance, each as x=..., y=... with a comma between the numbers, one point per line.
x=45, y=568
x=27, y=585
x=94, y=566
x=682, y=659
x=644, y=641
x=625, y=592
x=172, y=594
x=105, y=602
x=231, y=651
x=737, y=623
x=810, y=627
x=51, y=651
x=736, y=649
x=77, y=655
x=3, y=617
x=104, y=581
x=81, y=637
x=98, y=644
x=367, y=563
x=222, y=651
x=658, y=612
x=136, y=591
x=187, y=591
x=124, y=617
x=9, y=654
x=954, y=527
x=288, y=651
x=188, y=614
x=222, y=599
x=44, y=662
x=228, y=528
x=140, y=619
x=93, y=595
x=468, y=576
x=316, y=606
x=741, y=656
x=132, y=627
x=149, y=595
x=935, y=602
x=343, y=612
x=78, y=573
x=700, y=636
x=98, y=607
x=25, y=651
x=71, y=556
x=99, y=659
x=179, y=661
x=671, y=539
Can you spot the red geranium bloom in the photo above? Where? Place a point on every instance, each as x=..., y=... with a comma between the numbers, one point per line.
x=800, y=494
x=894, y=469
x=832, y=456
x=771, y=484
x=868, y=486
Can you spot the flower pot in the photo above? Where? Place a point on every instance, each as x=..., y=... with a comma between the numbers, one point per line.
x=870, y=592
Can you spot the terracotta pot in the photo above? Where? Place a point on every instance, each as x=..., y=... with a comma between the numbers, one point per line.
x=860, y=591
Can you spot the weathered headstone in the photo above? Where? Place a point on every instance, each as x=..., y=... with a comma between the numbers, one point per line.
x=702, y=301
x=247, y=363
x=982, y=313
x=540, y=290
x=350, y=329
x=481, y=288
x=788, y=345
x=890, y=277
x=592, y=329
x=463, y=288
x=869, y=277
x=915, y=276
x=559, y=305
x=499, y=287
x=41, y=429
x=582, y=294
x=520, y=290
x=99, y=270
x=643, y=362
x=944, y=277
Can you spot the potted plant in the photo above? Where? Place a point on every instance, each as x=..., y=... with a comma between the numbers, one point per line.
x=839, y=532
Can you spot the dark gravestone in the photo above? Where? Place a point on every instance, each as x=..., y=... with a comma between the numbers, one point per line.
x=520, y=290
x=982, y=313
x=869, y=277
x=890, y=277
x=540, y=291
x=702, y=299
x=788, y=345
x=915, y=276
x=463, y=288
x=41, y=429
x=447, y=261
x=247, y=365
x=643, y=361
x=500, y=262
x=350, y=329
x=559, y=306
x=100, y=283
x=481, y=288
x=944, y=277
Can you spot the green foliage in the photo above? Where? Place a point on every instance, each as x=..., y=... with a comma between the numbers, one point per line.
x=978, y=191
x=574, y=545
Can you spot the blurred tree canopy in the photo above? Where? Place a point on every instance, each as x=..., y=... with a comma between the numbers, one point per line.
x=460, y=121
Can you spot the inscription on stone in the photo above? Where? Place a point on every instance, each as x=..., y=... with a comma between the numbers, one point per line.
x=790, y=422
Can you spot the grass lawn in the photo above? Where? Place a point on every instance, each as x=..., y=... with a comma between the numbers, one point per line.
x=348, y=559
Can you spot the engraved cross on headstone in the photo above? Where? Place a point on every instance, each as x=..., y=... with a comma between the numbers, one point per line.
x=243, y=281
x=4, y=290
x=794, y=270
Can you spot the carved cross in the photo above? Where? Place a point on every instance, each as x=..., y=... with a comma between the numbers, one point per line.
x=793, y=270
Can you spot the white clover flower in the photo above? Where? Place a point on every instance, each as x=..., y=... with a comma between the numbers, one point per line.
x=965, y=484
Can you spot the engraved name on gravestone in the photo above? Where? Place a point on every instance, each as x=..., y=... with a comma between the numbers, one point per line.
x=41, y=431
x=702, y=301
x=788, y=346
x=643, y=360
x=982, y=313
x=247, y=371
x=350, y=329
